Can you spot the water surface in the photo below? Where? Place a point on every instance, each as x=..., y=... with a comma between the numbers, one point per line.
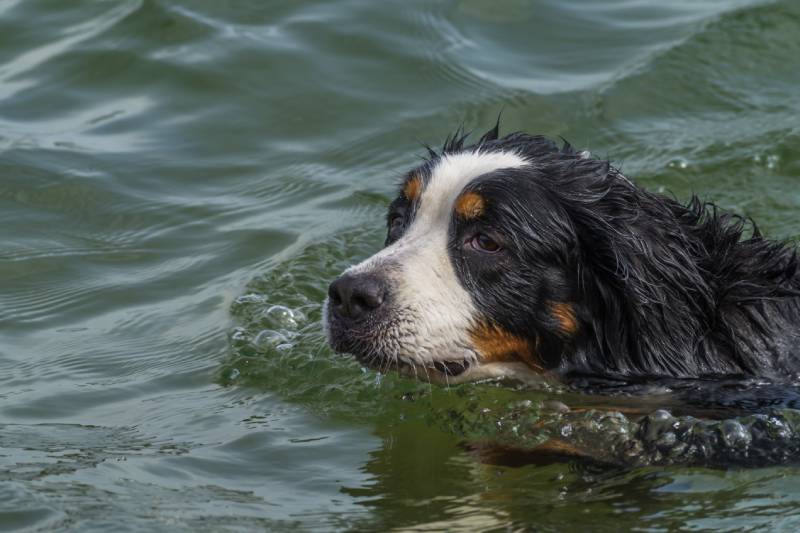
x=180, y=180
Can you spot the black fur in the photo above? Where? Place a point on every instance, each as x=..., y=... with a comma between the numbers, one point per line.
x=658, y=288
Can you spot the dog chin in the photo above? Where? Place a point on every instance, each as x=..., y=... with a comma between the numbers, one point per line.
x=453, y=371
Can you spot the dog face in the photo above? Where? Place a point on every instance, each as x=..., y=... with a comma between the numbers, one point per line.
x=474, y=280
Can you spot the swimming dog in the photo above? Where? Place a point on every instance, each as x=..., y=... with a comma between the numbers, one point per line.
x=514, y=257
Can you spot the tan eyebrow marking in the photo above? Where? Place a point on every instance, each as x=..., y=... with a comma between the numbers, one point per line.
x=470, y=205
x=413, y=188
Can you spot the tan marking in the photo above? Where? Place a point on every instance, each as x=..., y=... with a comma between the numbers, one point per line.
x=413, y=188
x=564, y=313
x=470, y=205
x=496, y=345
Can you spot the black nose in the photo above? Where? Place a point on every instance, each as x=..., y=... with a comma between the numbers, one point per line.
x=355, y=296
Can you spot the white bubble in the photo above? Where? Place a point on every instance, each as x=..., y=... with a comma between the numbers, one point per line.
x=270, y=338
x=772, y=161
x=239, y=334
x=280, y=316
x=679, y=162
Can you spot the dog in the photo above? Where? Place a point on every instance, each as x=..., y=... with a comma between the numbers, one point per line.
x=515, y=258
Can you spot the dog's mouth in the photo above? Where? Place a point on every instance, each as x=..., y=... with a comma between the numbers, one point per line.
x=451, y=368
x=451, y=372
x=431, y=370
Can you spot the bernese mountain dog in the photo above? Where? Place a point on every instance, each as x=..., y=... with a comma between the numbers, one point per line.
x=512, y=257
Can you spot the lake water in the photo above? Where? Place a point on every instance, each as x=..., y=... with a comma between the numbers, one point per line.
x=179, y=181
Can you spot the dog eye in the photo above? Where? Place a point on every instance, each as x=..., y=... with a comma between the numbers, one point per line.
x=396, y=225
x=396, y=222
x=483, y=243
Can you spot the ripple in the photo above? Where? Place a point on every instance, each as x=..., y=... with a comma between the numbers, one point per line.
x=12, y=72
x=614, y=35
x=180, y=180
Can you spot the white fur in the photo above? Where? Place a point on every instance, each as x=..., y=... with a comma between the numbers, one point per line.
x=433, y=312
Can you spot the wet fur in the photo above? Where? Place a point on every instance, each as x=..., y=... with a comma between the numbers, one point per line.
x=658, y=288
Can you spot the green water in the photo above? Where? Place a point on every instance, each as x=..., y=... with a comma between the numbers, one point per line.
x=173, y=170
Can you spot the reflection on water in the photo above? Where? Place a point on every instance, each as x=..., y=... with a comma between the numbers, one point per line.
x=180, y=180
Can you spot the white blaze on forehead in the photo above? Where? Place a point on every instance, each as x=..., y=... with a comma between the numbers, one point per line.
x=422, y=277
x=449, y=177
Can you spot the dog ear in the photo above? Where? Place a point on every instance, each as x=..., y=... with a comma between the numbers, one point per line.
x=646, y=295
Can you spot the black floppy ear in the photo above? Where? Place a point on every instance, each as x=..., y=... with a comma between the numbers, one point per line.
x=647, y=296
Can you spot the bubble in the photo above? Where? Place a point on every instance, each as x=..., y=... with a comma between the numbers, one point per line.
x=678, y=162
x=280, y=317
x=657, y=423
x=614, y=423
x=666, y=440
x=270, y=339
x=234, y=373
x=734, y=435
x=777, y=428
x=772, y=161
x=239, y=335
x=250, y=298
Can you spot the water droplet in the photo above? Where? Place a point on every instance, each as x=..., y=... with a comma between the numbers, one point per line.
x=678, y=162
x=772, y=161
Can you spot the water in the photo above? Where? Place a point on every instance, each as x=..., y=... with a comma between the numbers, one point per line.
x=180, y=180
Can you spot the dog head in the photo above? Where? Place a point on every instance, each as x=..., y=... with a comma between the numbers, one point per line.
x=477, y=276
x=514, y=257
